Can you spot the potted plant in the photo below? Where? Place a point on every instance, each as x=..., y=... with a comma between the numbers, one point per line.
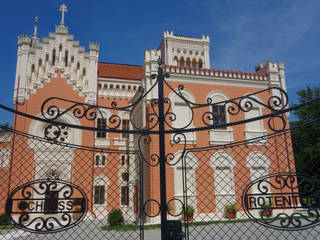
x=266, y=210
x=231, y=210
x=76, y=208
x=189, y=212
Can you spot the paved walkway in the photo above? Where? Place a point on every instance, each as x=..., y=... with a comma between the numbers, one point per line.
x=230, y=231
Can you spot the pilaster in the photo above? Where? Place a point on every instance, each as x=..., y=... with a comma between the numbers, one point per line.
x=92, y=73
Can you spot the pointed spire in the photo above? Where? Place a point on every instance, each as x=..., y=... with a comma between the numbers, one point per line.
x=63, y=9
x=35, y=33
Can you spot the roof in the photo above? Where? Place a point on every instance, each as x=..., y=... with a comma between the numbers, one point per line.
x=122, y=71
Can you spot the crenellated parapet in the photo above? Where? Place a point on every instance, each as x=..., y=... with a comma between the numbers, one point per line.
x=24, y=40
x=93, y=46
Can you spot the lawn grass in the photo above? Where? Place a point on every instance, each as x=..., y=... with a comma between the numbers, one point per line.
x=130, y=227
x=133, y=227
x=4, y=227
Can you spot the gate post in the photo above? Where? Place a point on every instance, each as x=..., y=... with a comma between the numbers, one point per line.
x=163, y=190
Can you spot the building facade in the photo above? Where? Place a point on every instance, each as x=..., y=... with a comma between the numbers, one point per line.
x=57, y=66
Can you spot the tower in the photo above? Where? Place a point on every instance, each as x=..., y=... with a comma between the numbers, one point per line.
x=185, y=51
x=38, y=61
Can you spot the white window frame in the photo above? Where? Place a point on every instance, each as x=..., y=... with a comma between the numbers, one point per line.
x=220, y=136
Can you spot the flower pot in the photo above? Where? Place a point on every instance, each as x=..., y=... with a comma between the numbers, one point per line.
x=266, y=212
x=190, y=218
x=77, y=214
x=231, y=215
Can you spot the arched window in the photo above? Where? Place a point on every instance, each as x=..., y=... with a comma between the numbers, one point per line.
x=182, y=62
x=101, y=138
x=53, y=57
x=66, y=59
x=188, y=62
x=100, y=160
x=194, y=63
x=255, y=129
x=124, y=160
x=175, y=61
x=100, y=187
x=185, y=182
x=200, y=63
x=4, y=157
x=183, y=115
x=223, y=165
x=258, y=163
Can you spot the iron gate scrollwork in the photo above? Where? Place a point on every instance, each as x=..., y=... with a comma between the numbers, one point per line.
x=214, y=179
x=27, y=204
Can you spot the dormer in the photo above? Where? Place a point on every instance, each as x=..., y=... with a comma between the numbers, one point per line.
x=185, y=51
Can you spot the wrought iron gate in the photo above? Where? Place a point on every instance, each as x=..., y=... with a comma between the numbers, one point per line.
x=55, y=189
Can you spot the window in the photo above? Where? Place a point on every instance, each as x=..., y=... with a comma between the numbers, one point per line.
x=125, y=126
x=101, y=123
x=224, y=182
x=103, y=160
x=258, y=163
x=99, y=192
x=58, y=133
x=124, y=160
x=223, y=165
x=200, y=64
x=97, y=161
x=183, y=116
x=255, y=125
x=219, y=114
x=66, y=59
x=53, y=57
x=100, y=160
x=125, y=177
x=125, y=195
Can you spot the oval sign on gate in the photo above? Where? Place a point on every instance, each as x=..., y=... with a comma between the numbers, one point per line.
x=46, y=206
x=284, y=201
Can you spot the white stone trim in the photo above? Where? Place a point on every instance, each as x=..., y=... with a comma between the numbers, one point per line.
x=258, y=159
x=222, y=159
x=36, y=128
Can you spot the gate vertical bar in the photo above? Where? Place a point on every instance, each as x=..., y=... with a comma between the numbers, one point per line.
x=163, y=191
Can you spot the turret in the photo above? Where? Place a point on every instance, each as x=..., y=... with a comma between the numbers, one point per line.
x=185, y=51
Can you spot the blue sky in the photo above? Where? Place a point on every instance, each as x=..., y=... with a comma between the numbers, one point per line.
x=242, y=33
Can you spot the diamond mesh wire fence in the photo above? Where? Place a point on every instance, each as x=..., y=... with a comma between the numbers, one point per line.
x=51, y=173
x=216, y=178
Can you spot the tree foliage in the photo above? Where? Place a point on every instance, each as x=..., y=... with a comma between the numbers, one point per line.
x=306, y=133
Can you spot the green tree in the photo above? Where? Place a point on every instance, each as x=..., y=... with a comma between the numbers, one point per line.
x=306, y=133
